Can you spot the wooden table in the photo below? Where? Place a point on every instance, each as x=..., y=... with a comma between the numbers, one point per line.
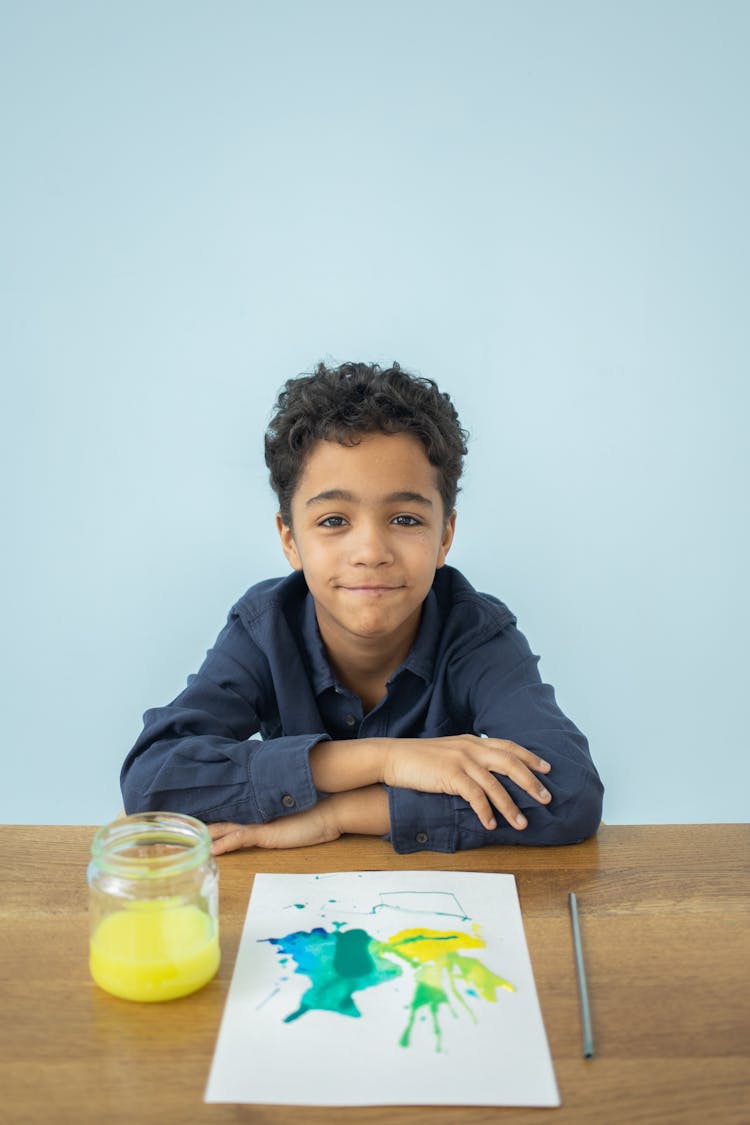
x=664, y=920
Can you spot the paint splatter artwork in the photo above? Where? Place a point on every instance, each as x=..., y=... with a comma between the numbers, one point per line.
x=340, y=962
x=424, y=973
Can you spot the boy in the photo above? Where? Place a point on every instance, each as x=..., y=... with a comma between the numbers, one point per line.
x=391, y=697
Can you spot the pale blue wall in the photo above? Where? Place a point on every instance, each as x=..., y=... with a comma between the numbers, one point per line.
x=541, y=205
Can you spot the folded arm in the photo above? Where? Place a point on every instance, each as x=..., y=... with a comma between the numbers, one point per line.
x=358, y=772
x=505, y=698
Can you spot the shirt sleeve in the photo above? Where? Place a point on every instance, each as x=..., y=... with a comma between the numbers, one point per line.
x=198, y=754
x=498, y=692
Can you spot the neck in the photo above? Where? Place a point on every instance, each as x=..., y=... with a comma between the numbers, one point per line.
x=365, y=664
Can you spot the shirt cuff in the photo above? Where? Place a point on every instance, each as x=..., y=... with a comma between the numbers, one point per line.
x=421, y=822
x=280, y=777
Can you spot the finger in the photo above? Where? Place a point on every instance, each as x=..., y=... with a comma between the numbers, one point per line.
x=221, y=828
x=240, y=837
x=523, y=777
x=528, y=757
x=473, y=792
x=504, y=803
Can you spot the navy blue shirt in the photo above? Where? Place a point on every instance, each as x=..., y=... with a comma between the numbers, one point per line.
x=470, y=671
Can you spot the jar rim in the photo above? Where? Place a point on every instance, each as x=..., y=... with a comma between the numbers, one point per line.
x=186, y=834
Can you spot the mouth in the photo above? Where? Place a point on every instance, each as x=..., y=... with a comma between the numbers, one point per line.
x=372, y=591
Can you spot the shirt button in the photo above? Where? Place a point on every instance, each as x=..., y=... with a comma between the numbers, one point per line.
x=288, y=801
x=350, y=720
x=422, y=837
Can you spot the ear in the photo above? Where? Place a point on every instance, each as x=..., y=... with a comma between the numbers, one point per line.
x=288, y=545
x=445, y=543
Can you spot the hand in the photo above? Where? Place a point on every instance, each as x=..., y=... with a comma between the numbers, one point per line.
x=300, y=830
x=464, y=765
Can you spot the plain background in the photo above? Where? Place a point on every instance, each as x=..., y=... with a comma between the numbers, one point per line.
x=542, y=205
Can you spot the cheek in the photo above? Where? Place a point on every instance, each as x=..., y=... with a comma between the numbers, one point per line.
x=425, y=557
x=312, y=559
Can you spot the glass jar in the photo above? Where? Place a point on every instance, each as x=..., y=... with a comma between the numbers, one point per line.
x=153, y=907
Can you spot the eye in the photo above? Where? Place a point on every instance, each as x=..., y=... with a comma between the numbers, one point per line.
x=332, y=521
x=406, y=521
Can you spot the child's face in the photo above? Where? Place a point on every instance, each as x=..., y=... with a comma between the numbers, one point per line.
x=368, y=531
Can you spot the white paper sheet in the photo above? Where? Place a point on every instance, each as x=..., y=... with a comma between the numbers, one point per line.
x=383, y=988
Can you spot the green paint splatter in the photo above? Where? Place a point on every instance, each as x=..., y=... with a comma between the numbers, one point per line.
x=341, y=962
x=338, y=965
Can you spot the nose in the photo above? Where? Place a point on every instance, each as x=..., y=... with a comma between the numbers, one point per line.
x=369, y=546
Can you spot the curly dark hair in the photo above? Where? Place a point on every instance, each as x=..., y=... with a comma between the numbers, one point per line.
x=342, y=403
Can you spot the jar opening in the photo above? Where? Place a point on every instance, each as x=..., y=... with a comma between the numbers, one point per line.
x=151, y=845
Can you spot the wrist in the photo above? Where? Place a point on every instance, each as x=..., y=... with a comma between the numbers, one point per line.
x=359, y=812
x=329, y=811
x=346, y=764
x=383, y=753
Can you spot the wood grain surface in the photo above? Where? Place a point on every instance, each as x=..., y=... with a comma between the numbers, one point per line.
x=664, y=917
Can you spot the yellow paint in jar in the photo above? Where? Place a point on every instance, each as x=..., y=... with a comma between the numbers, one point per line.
x=154, y=950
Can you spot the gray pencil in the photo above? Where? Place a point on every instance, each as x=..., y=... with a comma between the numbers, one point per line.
x=588, y=1035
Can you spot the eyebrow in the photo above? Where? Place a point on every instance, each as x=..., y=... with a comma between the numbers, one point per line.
x=404, y=497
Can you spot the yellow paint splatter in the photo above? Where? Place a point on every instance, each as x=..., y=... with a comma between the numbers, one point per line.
x=439, y=968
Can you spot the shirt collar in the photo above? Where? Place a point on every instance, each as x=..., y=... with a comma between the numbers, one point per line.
x=421, y=659
x=321, y=672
